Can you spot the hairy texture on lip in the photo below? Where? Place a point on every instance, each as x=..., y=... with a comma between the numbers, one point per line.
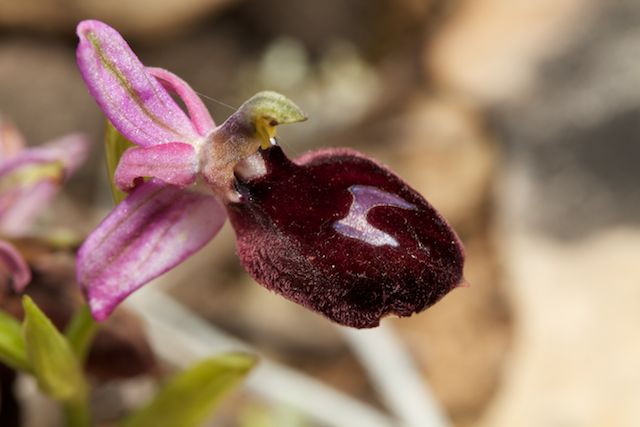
x=287, y=237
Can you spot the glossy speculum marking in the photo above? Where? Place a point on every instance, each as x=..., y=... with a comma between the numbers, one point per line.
x=356, y=225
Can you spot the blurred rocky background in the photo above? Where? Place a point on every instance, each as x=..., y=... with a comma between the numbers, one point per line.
x=519, y=120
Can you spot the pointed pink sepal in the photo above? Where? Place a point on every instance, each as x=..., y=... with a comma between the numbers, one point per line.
x=13, y=268
x=133, y=100
x=154, y=229
x=197, y=111
x=173, y=163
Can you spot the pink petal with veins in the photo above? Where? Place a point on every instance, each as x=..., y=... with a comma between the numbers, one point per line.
x=173, y=163
x=133, y=100
x=13, y=267
x=154, y=229
x=197, y=111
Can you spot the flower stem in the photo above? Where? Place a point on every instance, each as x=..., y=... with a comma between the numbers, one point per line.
x=80, y=332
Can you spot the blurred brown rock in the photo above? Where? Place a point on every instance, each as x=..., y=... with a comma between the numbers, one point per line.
x=490, y=49
x=576, y=355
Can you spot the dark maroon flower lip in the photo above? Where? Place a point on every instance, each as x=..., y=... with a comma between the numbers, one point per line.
x=344, y=236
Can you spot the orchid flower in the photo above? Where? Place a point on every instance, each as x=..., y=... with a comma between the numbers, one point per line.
x=333, y=230
x=29, y=178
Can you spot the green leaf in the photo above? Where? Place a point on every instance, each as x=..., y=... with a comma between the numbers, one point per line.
x=279, y=416
x=12, y=349
x=189, y=398
x=50, y=356
x=115, y=145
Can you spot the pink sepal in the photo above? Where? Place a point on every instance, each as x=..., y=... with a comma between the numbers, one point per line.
x=154, y=229
x=197, y=111
x=133, y=100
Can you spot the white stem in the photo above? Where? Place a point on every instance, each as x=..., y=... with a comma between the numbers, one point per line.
x=181, y=338
x=395, y=376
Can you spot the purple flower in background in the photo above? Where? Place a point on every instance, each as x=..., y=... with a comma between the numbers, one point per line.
x=14, y=271
x=334, y=230
x=29, y=178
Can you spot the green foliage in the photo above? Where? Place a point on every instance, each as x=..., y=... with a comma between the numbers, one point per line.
x=115, y=145
x=50, y=356
x=262, y=416
x=12, y=349
x=190, y=397
x=39, y=348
